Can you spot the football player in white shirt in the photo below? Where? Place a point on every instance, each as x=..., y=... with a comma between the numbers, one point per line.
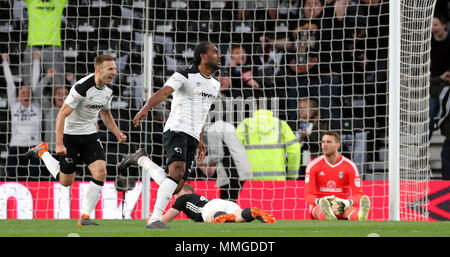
x=194, y=90
x=76, y=133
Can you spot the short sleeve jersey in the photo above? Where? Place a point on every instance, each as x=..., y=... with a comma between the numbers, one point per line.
x=191, y=205
x=87, y=99
x=192, y=99
x=340, y=179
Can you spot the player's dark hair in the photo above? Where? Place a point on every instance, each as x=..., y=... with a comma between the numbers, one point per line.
x=201, y=48
x=101, y=58
x=441, y=17
x=335, y=134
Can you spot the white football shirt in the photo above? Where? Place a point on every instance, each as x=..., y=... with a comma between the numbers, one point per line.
x=192, y=99
x=87, y=100
x=25, y=120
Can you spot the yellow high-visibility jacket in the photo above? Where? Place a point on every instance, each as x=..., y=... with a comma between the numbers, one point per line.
x=268, y=142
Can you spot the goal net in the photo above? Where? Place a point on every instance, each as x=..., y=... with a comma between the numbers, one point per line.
x=316, y=65
x=415, y=28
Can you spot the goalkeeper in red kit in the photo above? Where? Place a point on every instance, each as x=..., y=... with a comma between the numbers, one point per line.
x=333, y=188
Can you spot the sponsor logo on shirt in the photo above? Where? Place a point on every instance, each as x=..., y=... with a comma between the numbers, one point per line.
x=94, y=106
x=206, y=95
x=329, y=189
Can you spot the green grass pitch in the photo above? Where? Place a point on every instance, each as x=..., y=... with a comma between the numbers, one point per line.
x=188, y=228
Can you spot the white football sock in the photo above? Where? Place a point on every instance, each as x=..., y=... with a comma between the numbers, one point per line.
x=157, y=173
x=51, y=163
x=91, y=197
x=165, y=192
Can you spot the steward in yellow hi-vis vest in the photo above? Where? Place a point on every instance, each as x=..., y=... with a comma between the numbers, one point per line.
x=268, y=141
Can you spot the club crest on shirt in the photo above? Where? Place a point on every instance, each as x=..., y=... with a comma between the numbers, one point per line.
x=331, y=184
x=341, y=174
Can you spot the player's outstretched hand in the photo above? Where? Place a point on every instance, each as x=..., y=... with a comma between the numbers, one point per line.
x=201, y=150
x=140, y=116
x=121, y=138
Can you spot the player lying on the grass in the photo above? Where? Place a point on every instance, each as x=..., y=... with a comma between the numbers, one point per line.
x=200, y=209
x=333, y=185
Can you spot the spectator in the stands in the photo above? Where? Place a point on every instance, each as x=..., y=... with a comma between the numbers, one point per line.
x=443, y=82
x=440, y=62
x=26, y=118
x=309, y=129
x=240, y=73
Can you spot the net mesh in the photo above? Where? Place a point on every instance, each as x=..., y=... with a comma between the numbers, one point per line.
x=415, y=46
x=331, y=54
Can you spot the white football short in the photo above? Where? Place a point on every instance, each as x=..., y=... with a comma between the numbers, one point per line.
x=219, y=205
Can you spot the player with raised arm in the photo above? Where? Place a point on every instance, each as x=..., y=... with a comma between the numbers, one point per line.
x=76, y=133
x=201, y=209
x=194, y=90
x=333, y=188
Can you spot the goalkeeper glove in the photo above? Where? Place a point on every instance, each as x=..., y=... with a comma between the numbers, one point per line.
x=329, y=198
x=339, y=205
